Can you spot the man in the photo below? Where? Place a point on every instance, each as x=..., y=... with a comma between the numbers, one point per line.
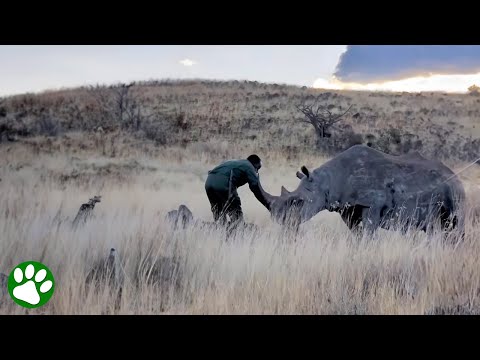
x=222, y=183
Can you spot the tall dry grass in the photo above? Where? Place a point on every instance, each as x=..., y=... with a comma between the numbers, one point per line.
x=327, y=270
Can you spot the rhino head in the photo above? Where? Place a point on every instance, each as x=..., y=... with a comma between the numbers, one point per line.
x=295, y=207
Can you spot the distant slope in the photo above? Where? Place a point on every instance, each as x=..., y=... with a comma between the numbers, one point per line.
x=180, y=112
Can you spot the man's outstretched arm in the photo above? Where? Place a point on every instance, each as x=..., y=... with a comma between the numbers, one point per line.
x=258, y=194
x=254, y=184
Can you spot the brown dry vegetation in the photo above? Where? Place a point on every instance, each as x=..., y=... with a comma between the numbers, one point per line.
x=54, y=165
x=263, y=116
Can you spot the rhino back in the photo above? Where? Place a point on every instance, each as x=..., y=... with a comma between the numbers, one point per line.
x=366, y=176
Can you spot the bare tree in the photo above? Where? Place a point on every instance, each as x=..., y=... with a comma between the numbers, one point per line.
x=320, y=117
x=103, y=97
x=121, y=104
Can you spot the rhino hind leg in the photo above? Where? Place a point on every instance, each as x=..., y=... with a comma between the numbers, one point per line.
x=452, y=226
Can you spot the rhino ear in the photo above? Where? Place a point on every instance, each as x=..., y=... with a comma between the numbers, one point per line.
x=284, y=191
x=305, y=171
x=300, y=175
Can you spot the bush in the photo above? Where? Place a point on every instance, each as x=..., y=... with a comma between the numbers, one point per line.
x=47, y=126
x=474, y=90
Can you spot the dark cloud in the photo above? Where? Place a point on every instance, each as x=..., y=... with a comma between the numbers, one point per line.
x=373, y=63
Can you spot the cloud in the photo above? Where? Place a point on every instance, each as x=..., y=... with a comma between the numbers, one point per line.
x=377, y=63
x=187, y=62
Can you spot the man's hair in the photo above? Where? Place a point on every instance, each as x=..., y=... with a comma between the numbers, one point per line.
x=254, y=159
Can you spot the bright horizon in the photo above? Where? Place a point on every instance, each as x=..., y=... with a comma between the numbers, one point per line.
x=38, y=68
x=454, y=83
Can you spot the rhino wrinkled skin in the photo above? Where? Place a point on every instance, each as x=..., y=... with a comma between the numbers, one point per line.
x=377, y=189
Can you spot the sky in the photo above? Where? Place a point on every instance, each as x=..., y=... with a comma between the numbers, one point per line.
x=34, y=68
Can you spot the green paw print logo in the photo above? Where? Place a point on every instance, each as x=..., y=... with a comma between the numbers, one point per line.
x=31, y=284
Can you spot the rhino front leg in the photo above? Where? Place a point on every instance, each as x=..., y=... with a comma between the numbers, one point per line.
x=370, y=220
x=352, y=216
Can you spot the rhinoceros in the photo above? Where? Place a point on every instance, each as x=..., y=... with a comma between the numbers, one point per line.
x=375, y=189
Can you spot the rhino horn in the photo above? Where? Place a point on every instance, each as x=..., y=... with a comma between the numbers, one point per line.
x=284, y=191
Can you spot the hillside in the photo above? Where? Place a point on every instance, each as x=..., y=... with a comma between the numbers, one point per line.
x=263, y=116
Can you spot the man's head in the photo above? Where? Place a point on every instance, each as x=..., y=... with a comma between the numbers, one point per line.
x=256, y=161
